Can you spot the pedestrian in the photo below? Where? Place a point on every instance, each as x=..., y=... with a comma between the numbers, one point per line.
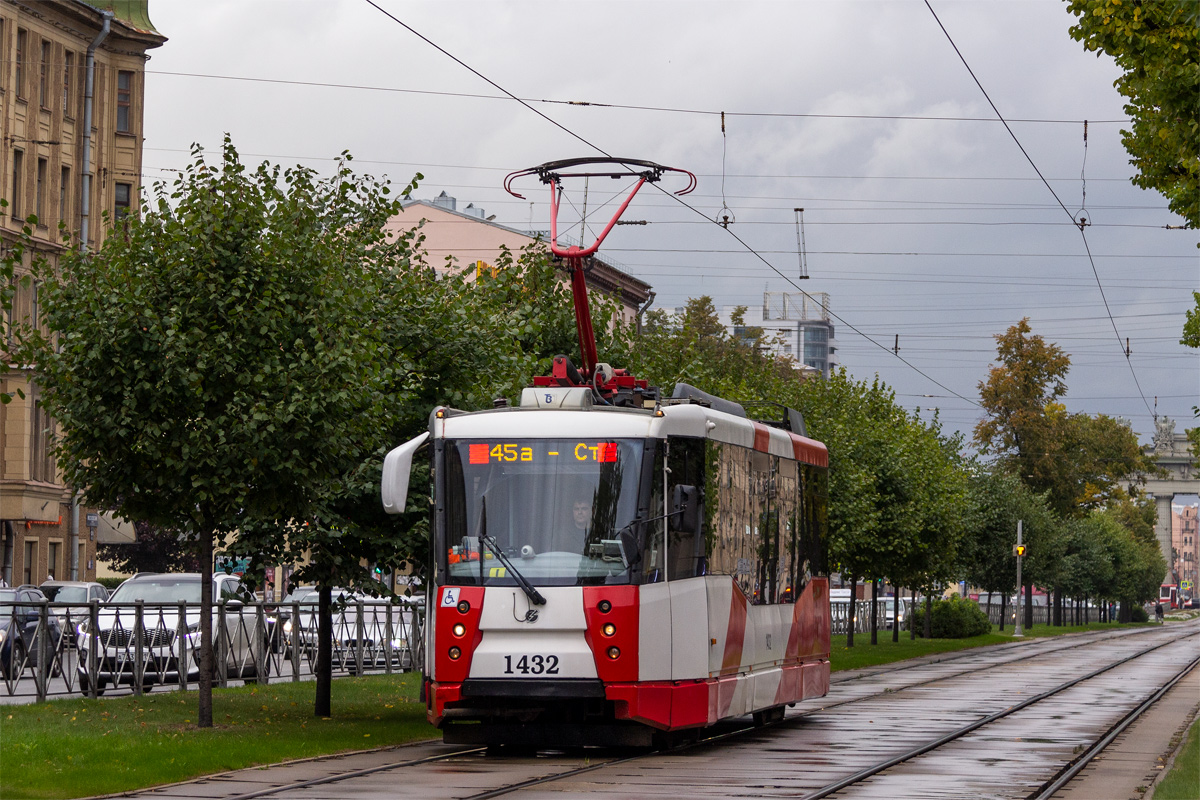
x=1158, y=613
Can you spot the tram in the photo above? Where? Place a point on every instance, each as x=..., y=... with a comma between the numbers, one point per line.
x=610, y=565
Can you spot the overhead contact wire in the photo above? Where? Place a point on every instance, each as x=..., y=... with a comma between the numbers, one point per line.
x=1067, y=211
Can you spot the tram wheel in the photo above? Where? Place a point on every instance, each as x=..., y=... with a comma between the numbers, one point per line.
x=768, y=715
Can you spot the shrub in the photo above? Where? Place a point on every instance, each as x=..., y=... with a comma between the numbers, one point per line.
x=953, y=618
x=111, y=582
x=1139, y=614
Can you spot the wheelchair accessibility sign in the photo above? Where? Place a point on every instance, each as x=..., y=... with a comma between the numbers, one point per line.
x=450, y=596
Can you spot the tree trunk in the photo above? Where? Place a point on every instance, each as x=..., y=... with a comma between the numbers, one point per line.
x=1003, y=608
x=874, y=611
x=851, y=614
x=912, y=626
x=323, y=704
x=1125, y=612
x=896, y=615
x=928, y=616
x=1028, y=606
x=204, y=714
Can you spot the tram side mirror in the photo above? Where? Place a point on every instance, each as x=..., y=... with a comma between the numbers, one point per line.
x=397, y=467
x=685, y=508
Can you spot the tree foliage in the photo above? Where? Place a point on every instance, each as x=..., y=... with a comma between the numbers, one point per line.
x=1157, y=44
x=1078, y=461
x=216, y=363
x=154, y=549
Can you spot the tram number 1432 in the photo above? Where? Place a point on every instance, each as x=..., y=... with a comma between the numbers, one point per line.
x=531, y=665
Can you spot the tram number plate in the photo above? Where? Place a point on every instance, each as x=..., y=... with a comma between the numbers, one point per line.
x=531, y=665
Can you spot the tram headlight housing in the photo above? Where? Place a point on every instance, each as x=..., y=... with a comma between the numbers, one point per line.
x=614, y=653
x=604, y=606
x=455, y=654
x=459, y=629
x=463, y=606
x=609, y=629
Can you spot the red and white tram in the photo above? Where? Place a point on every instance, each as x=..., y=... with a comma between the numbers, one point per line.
x=607, y=563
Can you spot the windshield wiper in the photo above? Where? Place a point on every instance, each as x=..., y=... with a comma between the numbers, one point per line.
x=534, y=596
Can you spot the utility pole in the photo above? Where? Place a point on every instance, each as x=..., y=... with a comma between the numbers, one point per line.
x=1019, y=552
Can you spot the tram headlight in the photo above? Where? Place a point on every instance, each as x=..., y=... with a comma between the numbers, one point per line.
x=455, y=654
x=614, y=653
x=604, y=606
x=463, y=606
x=459, y=629
x=609, y=629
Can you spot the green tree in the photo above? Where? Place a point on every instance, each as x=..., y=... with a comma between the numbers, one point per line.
x=214, y=361
x=1157, y=44
x=1078, y=461
x=1017, y=395
x=1191, y=338
x=996, y=501
x=1137, y=564
x=154, y=549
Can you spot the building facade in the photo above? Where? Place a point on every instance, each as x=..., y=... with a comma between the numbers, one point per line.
x=796, y=325
x=471, y=240
x=56, y=168
x=1185, y=527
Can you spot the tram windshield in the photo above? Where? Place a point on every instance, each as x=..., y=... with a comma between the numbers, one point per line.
x=554, y=507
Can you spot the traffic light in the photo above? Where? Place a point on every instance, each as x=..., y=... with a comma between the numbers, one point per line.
x=1018, y=550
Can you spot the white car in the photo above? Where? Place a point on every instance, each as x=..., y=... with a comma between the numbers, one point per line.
x=379, y=642
x=888, y=614
x=169, y=643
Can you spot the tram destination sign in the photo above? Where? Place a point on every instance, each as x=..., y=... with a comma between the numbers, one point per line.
x=488, y=452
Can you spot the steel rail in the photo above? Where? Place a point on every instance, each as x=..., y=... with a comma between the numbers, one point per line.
x=858, y=776
x=341, y=776
x=958, y=655
x=1071, y=770
x=709, y=740
x=958, y=733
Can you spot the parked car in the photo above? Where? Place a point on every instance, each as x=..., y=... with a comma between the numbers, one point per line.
x=1193, y=602
x=378, y=648
x=79, y=593
x=164, y=652
x=20, y=645
x=889, y=615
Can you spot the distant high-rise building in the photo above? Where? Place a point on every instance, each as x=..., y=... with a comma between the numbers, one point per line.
x=796, y=324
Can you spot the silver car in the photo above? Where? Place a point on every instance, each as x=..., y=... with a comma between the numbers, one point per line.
x=381, y=637
x=149, y=630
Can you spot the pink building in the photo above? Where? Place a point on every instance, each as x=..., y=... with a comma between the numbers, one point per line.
x=1185, y=527
x=470, y=240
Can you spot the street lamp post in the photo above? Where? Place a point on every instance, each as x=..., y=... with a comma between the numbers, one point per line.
x=1018, y=551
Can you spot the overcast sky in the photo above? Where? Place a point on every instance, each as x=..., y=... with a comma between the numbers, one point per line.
x=922, y=217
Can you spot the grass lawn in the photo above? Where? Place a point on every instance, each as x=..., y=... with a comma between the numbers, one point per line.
x=865, y=654
x=1183, y=781
x=75, y=748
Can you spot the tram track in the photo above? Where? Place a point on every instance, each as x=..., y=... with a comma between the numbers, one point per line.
x=880, y=767
x=467, y=756
x=962, y=731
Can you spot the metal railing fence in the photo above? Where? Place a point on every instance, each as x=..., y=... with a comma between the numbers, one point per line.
x=60, y=649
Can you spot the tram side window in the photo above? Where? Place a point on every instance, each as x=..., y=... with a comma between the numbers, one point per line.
x=740, y=516
x=787, y=553
x=814, y=535
x=456, y=506
x=685, y=550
